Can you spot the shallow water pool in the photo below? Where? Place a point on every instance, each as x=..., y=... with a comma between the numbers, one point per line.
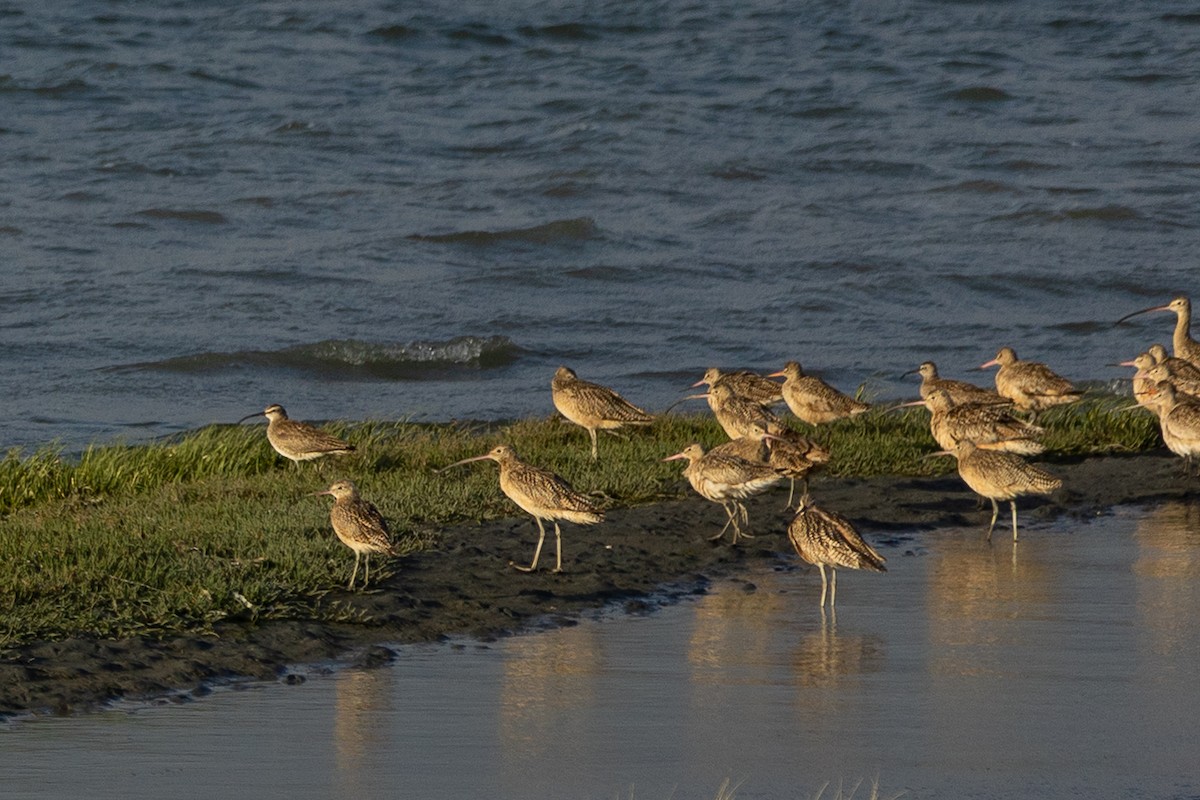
x=1063, y=666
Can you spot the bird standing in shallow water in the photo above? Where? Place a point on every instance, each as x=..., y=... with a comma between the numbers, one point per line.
x=592, y=406
x=358, y=525
x=298, y=441
x=540, y=493
x=999, y=476
x=829, y=540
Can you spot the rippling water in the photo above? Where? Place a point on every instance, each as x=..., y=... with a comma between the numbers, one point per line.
x=374, y=209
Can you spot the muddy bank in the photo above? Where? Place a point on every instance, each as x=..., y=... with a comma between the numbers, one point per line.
x=638, y=556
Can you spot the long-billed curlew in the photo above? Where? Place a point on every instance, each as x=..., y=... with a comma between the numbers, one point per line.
x=296, y=440
x=829, y=540
x=747, y=384
x=959, y=391
x=1179, y=420
x=727, y=480
x=794, y=456
x=813, y=400
x=1031, y=385
x=1000, y=476
x=951, y=423
x=736, y=414
x=1182, y=342
x=358, y=525
x=592, y=406
x=541, y=494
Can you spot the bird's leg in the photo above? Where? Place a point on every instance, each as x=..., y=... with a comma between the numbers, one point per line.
x=1013, y=503
x=729, y=514
x=832, y=588
x=791, y=493
x=538, y=551
x=354, y=574
x=745, y=515
x=557, y=548
x=824, y=585
x=592, y=431
x=366, y=569
x=995, y=513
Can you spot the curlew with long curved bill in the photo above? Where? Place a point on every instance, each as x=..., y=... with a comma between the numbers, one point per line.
x=829, y=540
x=1031, y=385
x=747, y=384
x=298, y=441
x=592, y=406
x=960, y=391
x=1182, y=342
x=951, y=423
x=541, y=494
x=1179, y=421
x=358, y=524
x=727, y=480
x=813, y=400
x=736, y=414
x=999, y=476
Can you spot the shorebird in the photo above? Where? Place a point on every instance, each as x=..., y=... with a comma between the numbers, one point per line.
x=592, y=406
x=1143, y=385
x=1031, y=385
x=1186, y=388
x=358, y=525
x=951, y=423
x=744, y=383
x=727, y=480
x=829, y=540
x=999, y=476
x=813, y=400
x=735, y=413
x=1179, y=420
x=1176, y=367
x=1182, y=342
x=541, y=494
x=298, y=441
x=793, y=456
x=959, y=391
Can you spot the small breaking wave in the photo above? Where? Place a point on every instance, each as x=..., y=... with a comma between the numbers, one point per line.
x=562, y=230
x=351, y=358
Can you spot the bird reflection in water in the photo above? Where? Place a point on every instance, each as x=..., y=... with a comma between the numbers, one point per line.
x=362, y=700
x=1167, y=572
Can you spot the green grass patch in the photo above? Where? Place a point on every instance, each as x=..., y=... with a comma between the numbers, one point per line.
x=183, y=533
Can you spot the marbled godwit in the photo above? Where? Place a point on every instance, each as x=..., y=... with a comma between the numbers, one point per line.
x=744, y=383
x=1143, y=385
x=829, y=540
x=1031, y=385
x=1185, y=388
x=298, y=441
x=1182, y=342
x=735, y=413
x=813, y=400
x=592, y=406
x=1179, y=420
x=726, y=480
x=951, y=423
x=541, y=494
x=1176, y=367
x=794, y=457
x=358, y=525
x=751, y=447
x=959, y=391
x=999, y=476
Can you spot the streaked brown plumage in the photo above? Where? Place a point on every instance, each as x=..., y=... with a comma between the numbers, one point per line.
x=358, y=525
x=541, y=494
x=795, y=457
x=829, y=540
x=1000, y=476
x=1182, y=343
x=1185, y=388
x=1143, y=385
x=736, y=414
x=1179, y=420
x=1175, y=366
x=951, y=423
x=751, y=447
x=298, y=441
x=1031, y=385
x=727, y=480
x=592, y=406
x=813, y=400
x=959, y=391
x=747, y=384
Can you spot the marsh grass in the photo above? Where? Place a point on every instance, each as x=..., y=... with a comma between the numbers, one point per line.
x=183, y=533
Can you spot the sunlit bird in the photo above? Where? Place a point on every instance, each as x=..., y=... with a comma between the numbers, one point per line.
x=745, y=383
x=1179, y=421
x=795, y=457
x=358, y=525
x=951, y=423
x=298, y=441
x=959, y=391
x=997, y=475
x=813, y=400
x=1184, y=345
x=726, y=479
x=541, y=494
x=1031, y=385
x=829, y=540
x=735, y=413
x=592, y=406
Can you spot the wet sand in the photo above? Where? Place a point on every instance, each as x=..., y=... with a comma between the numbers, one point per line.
x=638, y=557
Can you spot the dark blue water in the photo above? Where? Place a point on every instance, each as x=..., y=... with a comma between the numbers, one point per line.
x=372, y=209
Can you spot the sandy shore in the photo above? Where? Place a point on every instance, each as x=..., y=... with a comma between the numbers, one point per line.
x=637, y=556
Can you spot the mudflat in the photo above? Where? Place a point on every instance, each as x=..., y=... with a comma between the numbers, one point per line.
x=638, y=556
